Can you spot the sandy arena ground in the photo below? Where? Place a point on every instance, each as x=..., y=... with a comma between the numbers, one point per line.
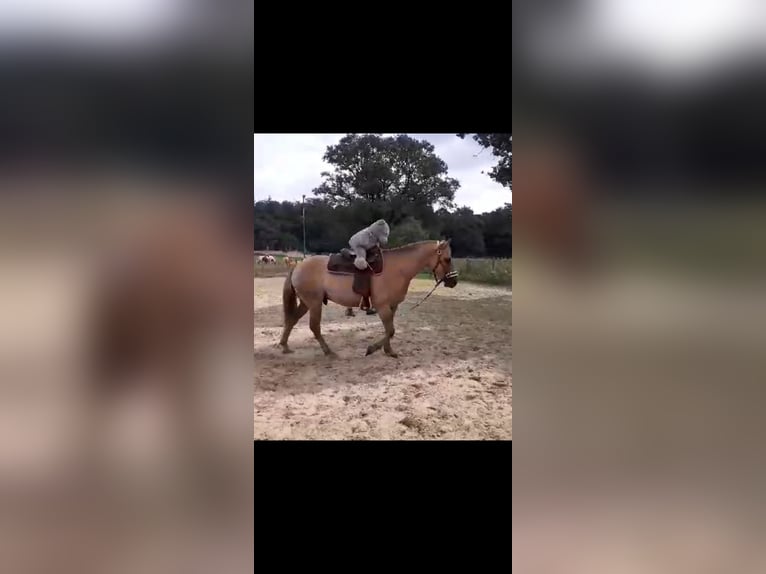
x=452, y=379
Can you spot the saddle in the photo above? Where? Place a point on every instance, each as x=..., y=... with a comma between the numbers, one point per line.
x=342, y=263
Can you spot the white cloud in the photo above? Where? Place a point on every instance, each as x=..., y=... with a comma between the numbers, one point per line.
x=289, y=165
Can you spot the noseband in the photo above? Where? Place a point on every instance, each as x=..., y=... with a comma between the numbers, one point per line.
x=449, y=275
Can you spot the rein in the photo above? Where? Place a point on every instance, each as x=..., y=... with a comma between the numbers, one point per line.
x=427, y=296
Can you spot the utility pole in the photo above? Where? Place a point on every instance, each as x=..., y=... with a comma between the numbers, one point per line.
x=303, y=217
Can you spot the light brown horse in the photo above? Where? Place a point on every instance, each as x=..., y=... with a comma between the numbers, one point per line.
x=312, y=284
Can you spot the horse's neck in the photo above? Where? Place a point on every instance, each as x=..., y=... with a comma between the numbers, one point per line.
x=411, y=263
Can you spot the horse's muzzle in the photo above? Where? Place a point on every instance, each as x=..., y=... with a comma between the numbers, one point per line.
x=450, y=279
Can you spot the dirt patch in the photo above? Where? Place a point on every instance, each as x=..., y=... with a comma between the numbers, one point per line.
x=452, y=379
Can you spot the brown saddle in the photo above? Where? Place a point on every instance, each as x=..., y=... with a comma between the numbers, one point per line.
x=343, y=263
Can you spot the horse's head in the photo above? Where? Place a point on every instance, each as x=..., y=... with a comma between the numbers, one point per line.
x=442, y=264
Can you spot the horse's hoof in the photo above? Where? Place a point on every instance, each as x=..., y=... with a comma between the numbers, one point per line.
x=286, y=350
x=331, y=355
x=393, y=355
x=370, y=350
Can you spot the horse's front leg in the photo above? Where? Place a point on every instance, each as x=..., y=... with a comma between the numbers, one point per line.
x=315, y=323
x=386, y=314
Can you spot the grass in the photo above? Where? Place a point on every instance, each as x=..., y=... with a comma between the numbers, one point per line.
x=489, y=271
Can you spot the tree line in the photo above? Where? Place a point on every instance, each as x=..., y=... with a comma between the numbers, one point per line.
x=399, y=179
x=278, y=226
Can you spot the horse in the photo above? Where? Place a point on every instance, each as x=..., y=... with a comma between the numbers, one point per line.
x=312, y=284
x=164, y=307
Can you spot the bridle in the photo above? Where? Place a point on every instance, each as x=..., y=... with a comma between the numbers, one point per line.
x=447, y=275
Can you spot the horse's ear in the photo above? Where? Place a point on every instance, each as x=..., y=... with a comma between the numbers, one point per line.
x=447, y=241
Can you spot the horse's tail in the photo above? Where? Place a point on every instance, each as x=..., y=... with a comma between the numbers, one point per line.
x=289, y=298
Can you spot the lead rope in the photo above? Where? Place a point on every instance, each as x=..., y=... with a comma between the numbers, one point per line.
x=439, y=282
x=427, y=296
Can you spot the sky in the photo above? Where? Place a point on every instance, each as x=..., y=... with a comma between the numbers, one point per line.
x=672, y=39
x=289, y=165
x=83, y=20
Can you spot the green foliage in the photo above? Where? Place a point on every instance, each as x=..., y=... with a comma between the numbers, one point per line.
x=276, y=225
x=491, y=271
x=466, y=231
x=408, y=231
x=497, y=232
x=328, y=228
x=396, y=176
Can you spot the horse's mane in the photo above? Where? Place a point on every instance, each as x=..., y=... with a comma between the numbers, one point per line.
x=409, y=246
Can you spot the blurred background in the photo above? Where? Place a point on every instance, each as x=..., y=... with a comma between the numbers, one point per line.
x=125, y=214
x=639, y=285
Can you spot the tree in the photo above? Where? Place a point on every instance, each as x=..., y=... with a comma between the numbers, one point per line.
x=466, y=230
x=276, y=225
x=326, y=227
x=408, y=231
x=397, y=177
x=288, y=242
x=501, y=148
x=497, y=232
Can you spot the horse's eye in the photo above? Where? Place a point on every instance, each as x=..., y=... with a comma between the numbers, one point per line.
x=448, y=259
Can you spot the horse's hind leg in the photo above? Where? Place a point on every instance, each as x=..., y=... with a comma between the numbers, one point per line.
x=315, y=322
x=290, y=322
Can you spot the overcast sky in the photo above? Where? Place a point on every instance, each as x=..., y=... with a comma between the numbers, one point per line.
x=673, y=40
x=289, y=165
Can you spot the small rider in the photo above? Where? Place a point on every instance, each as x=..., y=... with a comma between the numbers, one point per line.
x=369, y=237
